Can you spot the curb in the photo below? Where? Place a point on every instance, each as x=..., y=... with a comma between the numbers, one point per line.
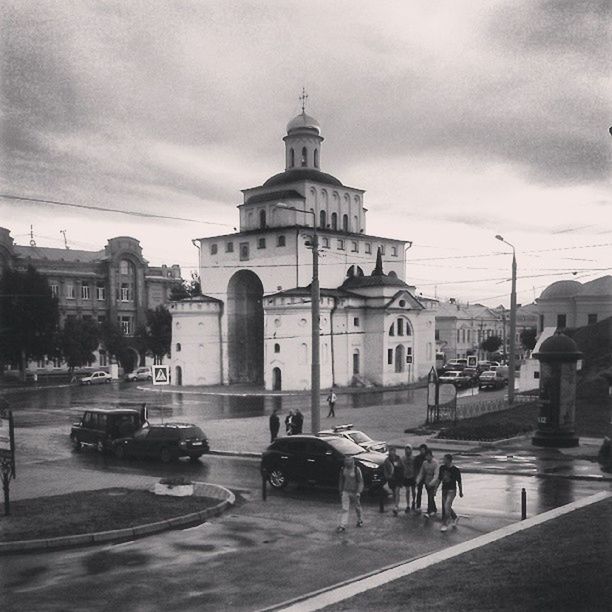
x=224, y=453
x=227, y=498
x=321, y=598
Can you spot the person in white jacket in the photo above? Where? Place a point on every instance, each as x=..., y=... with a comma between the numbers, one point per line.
x=429, y=475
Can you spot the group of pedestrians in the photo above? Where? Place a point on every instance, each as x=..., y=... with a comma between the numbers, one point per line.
x=409, y=474
x=294, y=423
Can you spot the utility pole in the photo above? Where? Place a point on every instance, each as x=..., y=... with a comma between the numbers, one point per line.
x=315, y=296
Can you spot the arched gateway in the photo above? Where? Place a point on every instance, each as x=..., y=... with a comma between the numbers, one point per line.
x=245, y=322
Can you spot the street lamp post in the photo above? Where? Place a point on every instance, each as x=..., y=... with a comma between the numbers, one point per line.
x=511, y=360
x=315, y=298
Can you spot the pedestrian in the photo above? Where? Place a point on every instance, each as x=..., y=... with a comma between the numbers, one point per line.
x=450, y=477
x=418, y=462
x=331, y=401
x=409, y=478
x=393, y=468
x=350, y=485
x=429, y=476
x=274, y=424
x=289, y=423
x=297, y=422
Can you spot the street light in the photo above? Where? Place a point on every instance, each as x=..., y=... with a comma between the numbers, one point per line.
x=512, y=322
x=315, y=297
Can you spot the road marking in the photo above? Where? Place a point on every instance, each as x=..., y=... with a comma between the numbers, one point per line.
x=332, y=595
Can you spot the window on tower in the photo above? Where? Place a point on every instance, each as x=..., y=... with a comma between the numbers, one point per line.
x=316, y=158
x=334, y=221
x=291, y=158
x=322, y=219
x=304, y=156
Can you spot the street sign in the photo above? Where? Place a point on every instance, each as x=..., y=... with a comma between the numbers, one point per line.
x=161, y=375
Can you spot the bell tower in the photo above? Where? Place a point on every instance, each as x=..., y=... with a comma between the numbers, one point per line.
x=303, y=141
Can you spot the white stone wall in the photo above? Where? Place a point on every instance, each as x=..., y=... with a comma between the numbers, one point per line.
x=195, y=327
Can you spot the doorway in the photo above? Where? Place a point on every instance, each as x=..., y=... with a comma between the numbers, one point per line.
x=178, y=378
x=277, y=382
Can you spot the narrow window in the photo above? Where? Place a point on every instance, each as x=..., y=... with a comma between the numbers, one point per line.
x=322, y=218
x=213, y=249
x=390, y=356
x=355, y=247
x=291, y=158
x=178, y=347
x=592, y=319
x=84, y=290
x=341, y=245
x=326, y=242
x=392, y=329
x=400, y=327
x=316, y=158
x=304, y=156
x=345, y=223
x=368, y=248
x=277, y=348
x=334, y=221
x=356, y=321
x=261, y=243
x=244, y=251
x=229, y=247
x=280, y=241
x=262, y=219
x=54, y=289
x=394, y=251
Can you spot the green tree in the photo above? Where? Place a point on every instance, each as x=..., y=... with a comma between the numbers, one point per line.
x=491, y=344
x=78, y=339
x=156, y=336
x=29, y=317
x=528, y=338
x=114, y=341
x=186, y=289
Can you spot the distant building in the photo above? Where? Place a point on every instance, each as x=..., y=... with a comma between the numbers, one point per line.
x=113, y=283
x=570, y=303
x=254, y=324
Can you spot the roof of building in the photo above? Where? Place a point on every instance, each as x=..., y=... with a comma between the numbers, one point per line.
x=361, y=282
x=199, y=298
x=303, y=122
x=561, y=289
x=287, y=194
x=55, y=254
x=305, y=292
x=598, y=287
x=302, y=174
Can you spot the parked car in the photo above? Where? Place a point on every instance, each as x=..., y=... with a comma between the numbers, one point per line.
x=456, y=364
x=96, y=378
x=318, y=461
x=99, y=427
x=143, y=373
x=165, y=441
x=490, y=380
x=347, y=431
x=456, y=378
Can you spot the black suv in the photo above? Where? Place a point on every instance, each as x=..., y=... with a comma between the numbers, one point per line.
x=318, y=461
x=166, y=441
x=99, y=427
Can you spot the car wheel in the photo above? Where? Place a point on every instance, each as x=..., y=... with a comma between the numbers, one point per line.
x=165, y=455
x=120, y=452
x=76, y=445
x=100, y=446
x=194, y=458
x=277, y=479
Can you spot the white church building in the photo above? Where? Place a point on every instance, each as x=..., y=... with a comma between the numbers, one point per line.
x=253, y=323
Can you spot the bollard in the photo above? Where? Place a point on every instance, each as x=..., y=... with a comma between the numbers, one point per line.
x=264, y=482
x=523, y=504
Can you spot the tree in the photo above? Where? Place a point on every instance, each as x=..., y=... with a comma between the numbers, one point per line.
x=29, y=317
x=156, y=336
x=528, y=338
x=491, y=344
x=186, y=289
x=78, y=339
x=114, y=341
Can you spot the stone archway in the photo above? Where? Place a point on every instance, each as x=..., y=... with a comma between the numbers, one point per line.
x=245, y=325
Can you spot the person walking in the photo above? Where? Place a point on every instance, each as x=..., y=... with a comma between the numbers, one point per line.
x=289, y=423
x=418, y=462
x=297, y=423
x=429, y=476
x=274, y=425
x=450, y=477
x=350, y=485
x=394, y=472
x=331, y=402
x=409, y=478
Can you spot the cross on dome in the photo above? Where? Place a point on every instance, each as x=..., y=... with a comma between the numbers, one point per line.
x=303, y=99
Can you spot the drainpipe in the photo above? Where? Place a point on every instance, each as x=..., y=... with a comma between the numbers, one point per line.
x=297, y=257
x=331, y=339
x=220, y=343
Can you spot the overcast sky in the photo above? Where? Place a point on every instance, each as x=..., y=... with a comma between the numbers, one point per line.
x=460, y=119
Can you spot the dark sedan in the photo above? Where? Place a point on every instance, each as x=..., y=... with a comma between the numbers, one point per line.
x=167, y=442
x=318, y=461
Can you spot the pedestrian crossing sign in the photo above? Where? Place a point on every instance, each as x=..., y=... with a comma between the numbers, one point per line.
x=161, y=375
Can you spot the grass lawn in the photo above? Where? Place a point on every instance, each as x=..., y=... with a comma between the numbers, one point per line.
x=592, y=420
x=90, y=511
x=563, y=565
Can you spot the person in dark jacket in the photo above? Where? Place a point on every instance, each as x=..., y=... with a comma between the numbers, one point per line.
x=289, y=425
x=395, y=471
x=297, y=423
x=450, y=477
x=418, y=463
x=274, y=425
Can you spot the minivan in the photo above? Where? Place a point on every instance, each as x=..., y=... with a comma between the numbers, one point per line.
x=99, y=427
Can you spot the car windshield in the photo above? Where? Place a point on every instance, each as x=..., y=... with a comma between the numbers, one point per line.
x=188, y=433
x=344, y=446
x=359, y=437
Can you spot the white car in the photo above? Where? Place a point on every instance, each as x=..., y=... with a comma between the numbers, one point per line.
x=356, y=436
x=96, y=378
x=143, y=373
